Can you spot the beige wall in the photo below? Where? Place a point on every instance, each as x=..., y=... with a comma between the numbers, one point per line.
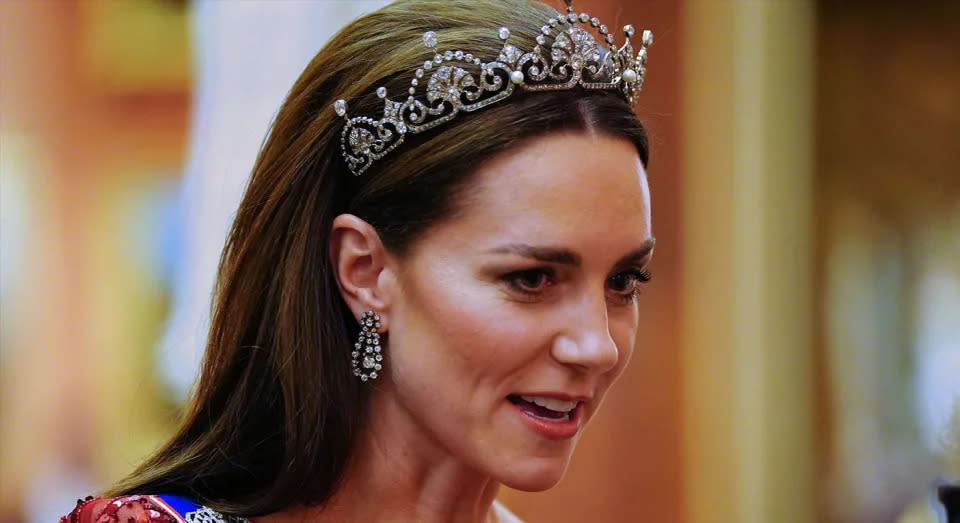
x=747, y=295
x=888, y=245
x=79, y=144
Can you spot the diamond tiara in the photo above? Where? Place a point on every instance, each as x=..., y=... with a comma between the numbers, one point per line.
x=574, y=58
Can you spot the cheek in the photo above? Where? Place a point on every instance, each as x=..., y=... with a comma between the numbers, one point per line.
x=460, y=326
x=624, y=330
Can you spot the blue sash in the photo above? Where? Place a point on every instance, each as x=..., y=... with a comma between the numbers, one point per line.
x=185, y=509
x=182, y=505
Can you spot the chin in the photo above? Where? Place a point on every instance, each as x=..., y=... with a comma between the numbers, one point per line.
x=537, y=475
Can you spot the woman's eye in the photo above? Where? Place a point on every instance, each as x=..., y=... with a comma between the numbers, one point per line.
x=626, y=285
x=531, y=281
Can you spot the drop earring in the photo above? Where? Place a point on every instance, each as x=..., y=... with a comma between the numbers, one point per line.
x=367, y=360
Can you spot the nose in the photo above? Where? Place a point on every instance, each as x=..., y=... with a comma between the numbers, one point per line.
x=585, y=342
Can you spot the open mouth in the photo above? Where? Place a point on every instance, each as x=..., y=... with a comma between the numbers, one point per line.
x=547, y=409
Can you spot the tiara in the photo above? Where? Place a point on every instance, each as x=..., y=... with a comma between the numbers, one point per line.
x=574, y=58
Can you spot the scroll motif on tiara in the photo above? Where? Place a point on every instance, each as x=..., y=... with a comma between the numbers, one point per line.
x=458, y=81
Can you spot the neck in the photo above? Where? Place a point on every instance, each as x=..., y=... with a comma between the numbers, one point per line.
x=400, y=473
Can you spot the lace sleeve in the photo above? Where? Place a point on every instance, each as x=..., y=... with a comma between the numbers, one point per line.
x=125, y=509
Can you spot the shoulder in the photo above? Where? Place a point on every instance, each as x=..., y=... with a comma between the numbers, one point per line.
x=504, y=515
x=143, y=509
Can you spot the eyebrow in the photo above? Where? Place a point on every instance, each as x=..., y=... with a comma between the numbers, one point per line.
x=566, y=256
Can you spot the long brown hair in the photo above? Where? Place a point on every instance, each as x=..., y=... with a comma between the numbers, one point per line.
x=276, y=412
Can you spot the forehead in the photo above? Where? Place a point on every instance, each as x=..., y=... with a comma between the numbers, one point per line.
x=575, y=190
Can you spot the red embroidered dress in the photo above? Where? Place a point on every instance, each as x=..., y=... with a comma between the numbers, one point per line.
x=144, y=509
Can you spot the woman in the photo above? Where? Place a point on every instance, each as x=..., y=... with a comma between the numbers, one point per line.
x=426, y=295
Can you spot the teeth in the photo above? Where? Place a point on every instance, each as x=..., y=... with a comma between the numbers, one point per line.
x=550, y=403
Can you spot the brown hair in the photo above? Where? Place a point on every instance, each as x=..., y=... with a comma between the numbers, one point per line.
x=277, y=409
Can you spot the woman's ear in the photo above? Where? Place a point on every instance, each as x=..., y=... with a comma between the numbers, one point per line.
x=362, y=266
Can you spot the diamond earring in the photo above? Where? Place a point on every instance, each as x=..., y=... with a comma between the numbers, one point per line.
x=367, y=360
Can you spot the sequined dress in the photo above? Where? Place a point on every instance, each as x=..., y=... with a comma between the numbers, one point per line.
x=145, y=509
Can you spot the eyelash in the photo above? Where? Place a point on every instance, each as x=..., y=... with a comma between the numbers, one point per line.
x=637, y=277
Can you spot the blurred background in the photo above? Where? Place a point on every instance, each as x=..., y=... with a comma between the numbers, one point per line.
x=800, y=359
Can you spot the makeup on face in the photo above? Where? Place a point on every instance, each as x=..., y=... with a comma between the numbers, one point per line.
x=512, y=319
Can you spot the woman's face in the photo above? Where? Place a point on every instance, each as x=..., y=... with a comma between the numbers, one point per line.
x=525, y=297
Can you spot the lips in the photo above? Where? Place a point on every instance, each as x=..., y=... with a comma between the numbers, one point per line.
x=558, y=425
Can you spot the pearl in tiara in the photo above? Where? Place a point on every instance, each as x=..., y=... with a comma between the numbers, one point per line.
x=456, y=81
